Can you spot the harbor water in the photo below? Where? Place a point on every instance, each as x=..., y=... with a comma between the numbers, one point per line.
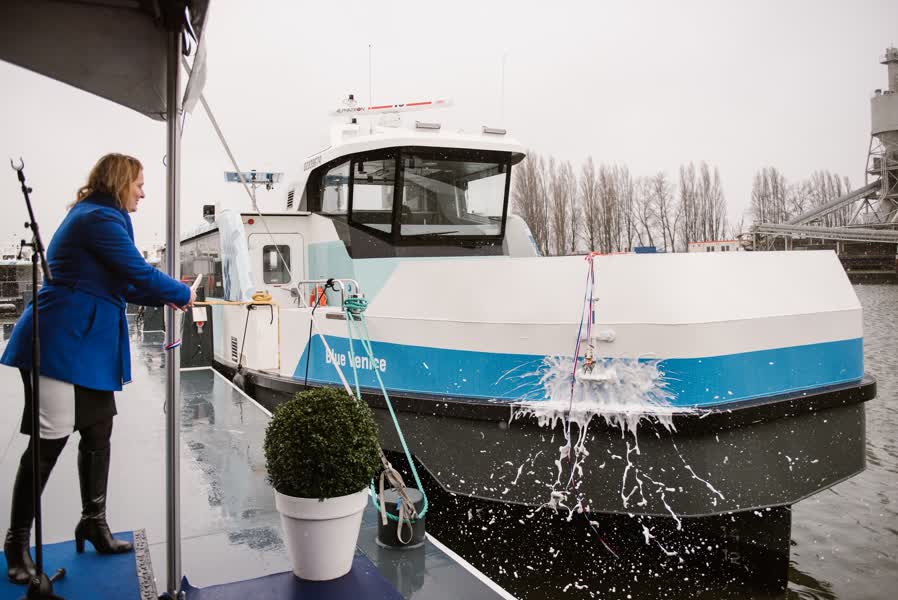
x=844, y=541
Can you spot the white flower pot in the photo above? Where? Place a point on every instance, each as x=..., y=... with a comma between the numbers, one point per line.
x=321, y=535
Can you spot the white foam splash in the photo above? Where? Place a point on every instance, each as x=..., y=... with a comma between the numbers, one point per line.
x=635, y=391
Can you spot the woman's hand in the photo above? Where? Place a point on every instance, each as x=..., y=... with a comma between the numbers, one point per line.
x=189, y=302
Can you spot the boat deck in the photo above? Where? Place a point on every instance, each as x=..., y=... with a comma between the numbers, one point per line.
x=230, y=528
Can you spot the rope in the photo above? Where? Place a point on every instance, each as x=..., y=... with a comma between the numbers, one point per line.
x=243, y=342
x=587, y=315
x=407, y=510
x=309, y=353
x=354, y=309
x=242, y=179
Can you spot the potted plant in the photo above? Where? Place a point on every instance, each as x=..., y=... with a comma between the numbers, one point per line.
x=321, y=450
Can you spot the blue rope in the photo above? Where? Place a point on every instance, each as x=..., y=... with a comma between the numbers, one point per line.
x=354, y=309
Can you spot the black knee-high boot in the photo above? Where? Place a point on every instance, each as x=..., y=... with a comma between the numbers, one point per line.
x=93, y=473
x=20, y=568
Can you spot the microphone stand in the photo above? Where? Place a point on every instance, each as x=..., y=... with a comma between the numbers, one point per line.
x=40, y=587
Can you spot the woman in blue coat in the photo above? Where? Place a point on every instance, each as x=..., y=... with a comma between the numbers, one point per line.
x=85, y=351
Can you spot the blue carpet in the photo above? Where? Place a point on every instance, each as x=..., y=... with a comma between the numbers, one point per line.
x=88, y=576
x=363, y=581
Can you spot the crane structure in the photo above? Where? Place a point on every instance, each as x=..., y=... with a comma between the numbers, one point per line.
x=873, y=207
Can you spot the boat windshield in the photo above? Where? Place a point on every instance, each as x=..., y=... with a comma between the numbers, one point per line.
x=442, y=196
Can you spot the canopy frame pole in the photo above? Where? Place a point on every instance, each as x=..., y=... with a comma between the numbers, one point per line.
x=173, y=355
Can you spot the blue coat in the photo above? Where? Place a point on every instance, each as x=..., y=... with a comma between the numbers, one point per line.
x=96, y=269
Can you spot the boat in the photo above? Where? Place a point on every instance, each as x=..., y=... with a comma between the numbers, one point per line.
x=716, y=383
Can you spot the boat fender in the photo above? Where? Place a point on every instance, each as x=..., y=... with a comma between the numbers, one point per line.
x=239, y=378
x=606, y=335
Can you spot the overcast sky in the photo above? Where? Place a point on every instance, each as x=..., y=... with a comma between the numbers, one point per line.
x=648, y=84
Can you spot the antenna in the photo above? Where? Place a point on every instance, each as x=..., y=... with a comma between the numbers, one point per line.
x=370, y=87
x=502, y=92
x=254, y=179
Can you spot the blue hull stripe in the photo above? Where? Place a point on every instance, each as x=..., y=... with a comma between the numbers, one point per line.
x=507, y=377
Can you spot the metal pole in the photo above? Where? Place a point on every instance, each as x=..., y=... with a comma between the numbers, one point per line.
x=173, y=358
x=35, y=412
x=502, y=94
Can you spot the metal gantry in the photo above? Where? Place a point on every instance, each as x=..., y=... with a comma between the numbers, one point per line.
x=873, y=207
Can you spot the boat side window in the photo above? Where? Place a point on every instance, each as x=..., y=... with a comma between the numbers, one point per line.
x=335, y=191
x=372, y=193
x=188, y=255
x=201, y=255
x=444, y=196
x=276, y=263
x=209, y=248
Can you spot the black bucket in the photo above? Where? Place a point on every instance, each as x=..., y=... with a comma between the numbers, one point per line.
x=387, y=535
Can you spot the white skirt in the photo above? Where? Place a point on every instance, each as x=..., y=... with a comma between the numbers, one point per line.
x=57, y=410
x=65, y=407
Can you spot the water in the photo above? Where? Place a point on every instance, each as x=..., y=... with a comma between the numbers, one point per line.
x=844, y=541
x=847, y=537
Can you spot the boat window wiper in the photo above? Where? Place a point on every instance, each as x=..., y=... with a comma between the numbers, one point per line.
x=431, y=234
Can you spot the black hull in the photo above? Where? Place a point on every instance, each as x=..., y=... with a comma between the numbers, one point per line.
x=751, y=456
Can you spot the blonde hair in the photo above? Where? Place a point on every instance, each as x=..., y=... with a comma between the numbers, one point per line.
x=113, y=174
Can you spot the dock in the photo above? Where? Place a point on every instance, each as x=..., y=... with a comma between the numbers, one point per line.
x=229, y=525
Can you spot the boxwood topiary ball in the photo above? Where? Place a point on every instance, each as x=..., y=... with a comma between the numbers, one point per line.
x=322, y=443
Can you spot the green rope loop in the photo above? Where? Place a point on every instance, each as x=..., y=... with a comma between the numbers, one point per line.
x=354, y=310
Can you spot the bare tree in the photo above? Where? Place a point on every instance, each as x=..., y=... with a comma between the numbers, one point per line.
x=590, y=205
x=609, y=231
x=769, y=197
x=560, y=205
x=626, y=195
x=824, y=187
x=712, y=204
x=644, y=213
x=543, y=169
x=798, y=199
x=689, y=202
x=736, y=230
x=776, y=201
x=529, y=199
x=667, y=209
x=702, y=204
x=568, y=182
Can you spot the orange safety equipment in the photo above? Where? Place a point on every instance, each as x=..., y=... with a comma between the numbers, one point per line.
x=322, y=297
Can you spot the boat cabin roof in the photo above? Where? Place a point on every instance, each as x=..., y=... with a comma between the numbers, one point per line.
x=349, y=139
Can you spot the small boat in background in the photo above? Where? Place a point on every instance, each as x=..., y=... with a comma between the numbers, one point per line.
x=15, y=280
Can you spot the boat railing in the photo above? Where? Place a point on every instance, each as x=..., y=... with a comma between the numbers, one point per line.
x=305, y=289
